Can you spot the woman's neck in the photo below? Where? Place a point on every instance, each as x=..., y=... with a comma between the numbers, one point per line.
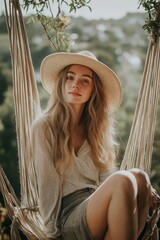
x=78, y=132
x=78, y=109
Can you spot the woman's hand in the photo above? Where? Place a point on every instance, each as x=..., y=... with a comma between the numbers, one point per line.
x=152, y=229
x=155, y=199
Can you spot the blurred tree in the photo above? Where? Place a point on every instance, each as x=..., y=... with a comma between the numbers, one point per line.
x=3, y=27
x=155, y=174
x=8, y=149
x=4, y=76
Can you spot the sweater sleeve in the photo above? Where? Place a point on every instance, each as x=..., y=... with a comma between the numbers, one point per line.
x=48, y=181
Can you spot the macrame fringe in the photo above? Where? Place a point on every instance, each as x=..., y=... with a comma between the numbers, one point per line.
x=14, y=230
x=139, y=147
x=152, y=232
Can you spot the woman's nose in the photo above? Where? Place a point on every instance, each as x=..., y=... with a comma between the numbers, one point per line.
x=76, y=84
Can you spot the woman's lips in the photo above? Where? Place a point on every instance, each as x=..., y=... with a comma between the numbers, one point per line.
x=75, y=93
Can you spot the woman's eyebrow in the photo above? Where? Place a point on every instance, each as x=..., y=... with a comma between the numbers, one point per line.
x=71, y=72
x=84, y=75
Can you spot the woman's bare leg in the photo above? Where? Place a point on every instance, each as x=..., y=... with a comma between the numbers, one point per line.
x=112, y=210
x=143, y=198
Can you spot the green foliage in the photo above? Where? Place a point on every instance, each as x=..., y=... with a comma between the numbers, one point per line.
x=3, y=24
x=152, y=23
x=55, y=30
x=4, y=76
x=8, y=148
x=55, y=26
x=40, y=5
x=155, y=174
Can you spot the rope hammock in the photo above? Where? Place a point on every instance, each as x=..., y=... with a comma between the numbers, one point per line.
x=25, y=214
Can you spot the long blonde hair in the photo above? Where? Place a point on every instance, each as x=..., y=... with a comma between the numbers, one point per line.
x=95, y=118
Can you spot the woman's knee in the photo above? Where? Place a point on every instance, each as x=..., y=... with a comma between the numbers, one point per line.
x=143, y=181
x=124, y=181
x=144, y=196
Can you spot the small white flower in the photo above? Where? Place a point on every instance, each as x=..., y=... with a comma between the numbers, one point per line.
x=65, y=19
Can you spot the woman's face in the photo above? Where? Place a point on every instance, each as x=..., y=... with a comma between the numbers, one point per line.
x=79, y=84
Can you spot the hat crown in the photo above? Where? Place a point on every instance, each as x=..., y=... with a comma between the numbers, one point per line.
x=88, y=54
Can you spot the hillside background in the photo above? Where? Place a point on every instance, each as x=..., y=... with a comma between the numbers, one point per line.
x=121, y=44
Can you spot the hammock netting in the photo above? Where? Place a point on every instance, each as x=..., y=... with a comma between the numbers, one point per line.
x=24, y=213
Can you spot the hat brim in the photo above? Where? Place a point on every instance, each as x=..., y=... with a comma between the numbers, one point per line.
x=54, y=63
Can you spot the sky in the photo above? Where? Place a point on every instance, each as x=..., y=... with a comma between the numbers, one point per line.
x=104, y=9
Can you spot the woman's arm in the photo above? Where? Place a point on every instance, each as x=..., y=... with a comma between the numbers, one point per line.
x=48, y=181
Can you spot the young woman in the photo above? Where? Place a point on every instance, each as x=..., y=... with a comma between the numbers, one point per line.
x=81, y=196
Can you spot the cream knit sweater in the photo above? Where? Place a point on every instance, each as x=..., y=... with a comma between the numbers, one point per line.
x=82, y=173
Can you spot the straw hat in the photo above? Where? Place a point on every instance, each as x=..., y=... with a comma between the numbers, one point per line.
x=54, y=63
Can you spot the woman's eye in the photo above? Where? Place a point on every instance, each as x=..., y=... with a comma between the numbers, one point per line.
x=70, y=77
x=85, y=81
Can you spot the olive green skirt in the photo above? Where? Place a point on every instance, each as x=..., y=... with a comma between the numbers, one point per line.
x=73, y=223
